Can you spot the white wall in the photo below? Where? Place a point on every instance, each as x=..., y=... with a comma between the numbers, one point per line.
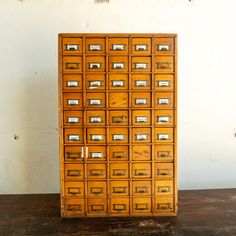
x=28, y=89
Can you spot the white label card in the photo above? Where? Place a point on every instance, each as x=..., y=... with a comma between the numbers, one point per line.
x=74, y=137
x=163, y=83
x=94, y=84
x=140, y=65
x=118, y=83
x=73, y=102
x=163, y=119
x=118, y=65
x=141, y=83
x=73, y=120
x=94, y=65
x=141, y=136
x=94, y=102
x=163, y=47
x=96, y=119
x=118, y=47
x=163, y=136
x=118, y=137
x=141, y=101
x=141, y=119
x=97, y=137
x=95, y=47
x=141, y=47
x=72, y=47
x=163, y=100
x=96, y=155
x=72, y=83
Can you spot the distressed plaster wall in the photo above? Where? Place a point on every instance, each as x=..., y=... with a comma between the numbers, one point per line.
x=28, y=74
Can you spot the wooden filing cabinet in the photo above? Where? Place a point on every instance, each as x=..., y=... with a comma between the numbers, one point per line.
x=118, y=124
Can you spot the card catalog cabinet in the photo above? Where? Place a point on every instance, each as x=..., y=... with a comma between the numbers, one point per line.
x=117, y=122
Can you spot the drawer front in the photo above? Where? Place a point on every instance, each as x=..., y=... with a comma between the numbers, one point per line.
x=96, y=118
x=74, y=189
x=141, y=135
x=164, y=82
x=119, y=171
x=97, y=188
x=74, y=136
x=141, y=46
x=119, y=206
x=97, y=206
x=73, y=153
x=96, y=153
x=74, y=207
x=164, y=187
x=163, y=170
x=118, y=118
x=141, y=117
x=72, y=100
x=164, y=135
x=141, y=188
x=118, y=81
x=164, y=117
x=96, y=171
x=118, y=45
x=118, y=63
x=95, y=100
x=72, y=46
x=141, y=152
x=141, y=170
x=95, y=45
x=164, y=100
x=141, y=100
x=118, y=135
x=164, y=64
x=118, y=100
x=96, y=135
x=95, y=63
x=141, y=64
x=72, y=64
x=118, y=153
x=73, y=118
x=164, y=153
x=164, y=46
x=141, y=82
x=119, y=188
x=141, y=205
x=164, y=204
x=72, y=82
x=95, y=81
x=74, y=172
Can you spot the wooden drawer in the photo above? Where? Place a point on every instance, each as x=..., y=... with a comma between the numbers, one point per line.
x=141, y=46
x=164, y=117
x=118, y=153
x=72, y=82
x=164, y=153
x=118, y=81
x=95, y=45
x=74, y=136
x=141, y=117
x=96, y=153
x=119, y=171
x=119, y=206
x=97, y=188
x=72, y=64
x=118, y=100
x=97, y=206
x=96, y=171
x=141, y=170
x=141, y=81
x=164, y=135
x=72, y=45
x=119, y=188
x=74, y=172
x=72, y=100
x=96, y=135
x=141, y=152
x=118, y=135
x=96, y=100
x=164, y=82
x=140, y=64
x=163, y=170
x=95, y=63
x=95, y=81
x=141, y=135
x=96, y=118
x=164, y=64
x=73, y=153
x=118, y=63
x=74, y=189
x=141, y=188
x=164, y=100
x=141, y=205
x=74, y=207
x=164, y=46
x=164, y=187
x=73, y=118
x=164, y=204
x=119, y=117
x=141, y=100
x=118, y=45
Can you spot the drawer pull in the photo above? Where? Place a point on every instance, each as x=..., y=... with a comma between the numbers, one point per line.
x=163, y=154
x=141, y=172
x=163, y=101
x=72, y=65
x=73, y=120
x=95, y=47
x=164, y=65
x=95, y=84
x=96, y=190
x=118, y=47
x=74, y=191
x=163, y=83
x=163, y=47
x=73, y=137
x=97, y=207
x=118, y=155
x=141, y=119
x=163, y=206
x=141, y=83
x=141, y=101
x=95, y=119
x=118, y=137
x=73, y=173
x=73, y=102
x=163, y=137
x=163, y=189
x=95, y=65
x=118, y=119
x=141, y=137
x=141, y=189
x=96, y=155
x=118, y=83
x=97, y=137
x=73, y=155
x=119, y=207
x=118, y=65
x=164, y=172
x=72, y=83
x=72, y=47
x=96, y=172
x=74, y=207
x=163, y=119
x=119, y=172
x=141, y=47
x=119, y=190
x=141, y=207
